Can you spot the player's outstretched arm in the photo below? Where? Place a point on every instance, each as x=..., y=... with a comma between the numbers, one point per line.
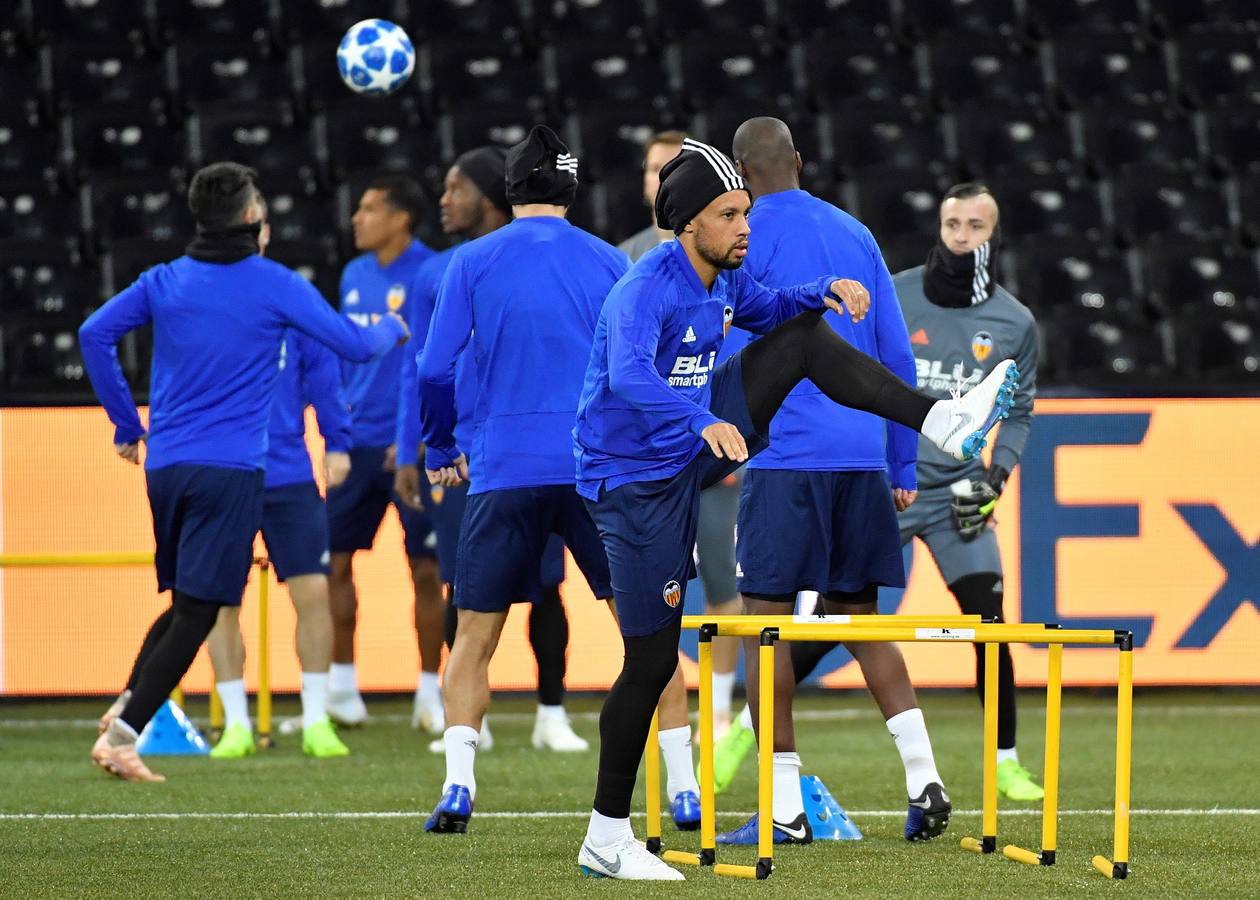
x=98, y=340
x=321, y=388
x=760, y=309
x=305, y=309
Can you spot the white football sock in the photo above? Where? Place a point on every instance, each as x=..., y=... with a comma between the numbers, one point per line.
x=428, y=689
x=603, y=830
x=680, y=771
x=235, y=703
x=1005, y=753
x=723, y=687
x=461, y=754
x=909, y=733
x=314, y=697
x=788, y=802
x=343, y=678
x=745, y=717
x=551, y=713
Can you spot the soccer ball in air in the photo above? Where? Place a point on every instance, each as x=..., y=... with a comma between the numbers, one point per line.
x=375, y=57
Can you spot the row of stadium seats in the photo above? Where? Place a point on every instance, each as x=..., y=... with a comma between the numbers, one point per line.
x=158, y=22
x=948, y=72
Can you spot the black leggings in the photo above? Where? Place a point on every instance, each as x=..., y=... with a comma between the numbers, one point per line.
x=807, y=347
x=170, y=657
x=151, y=639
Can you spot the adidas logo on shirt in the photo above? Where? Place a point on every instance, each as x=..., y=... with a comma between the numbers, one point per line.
x=690, y=336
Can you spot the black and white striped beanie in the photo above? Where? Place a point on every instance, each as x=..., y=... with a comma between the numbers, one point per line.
x=540, y=169
x=691, y=181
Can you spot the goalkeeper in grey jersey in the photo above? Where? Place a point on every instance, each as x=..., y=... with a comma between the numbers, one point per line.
x=961, y=324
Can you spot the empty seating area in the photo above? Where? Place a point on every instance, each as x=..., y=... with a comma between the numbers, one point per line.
x=1121, y=137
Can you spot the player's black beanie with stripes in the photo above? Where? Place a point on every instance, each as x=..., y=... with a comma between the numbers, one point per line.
x=485, y=167
x=691, y=181
x=540, y=169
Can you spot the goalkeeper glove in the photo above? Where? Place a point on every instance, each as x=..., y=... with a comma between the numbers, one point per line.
x=974, y=501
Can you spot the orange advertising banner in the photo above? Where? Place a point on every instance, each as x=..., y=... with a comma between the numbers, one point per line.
x=1140, y=514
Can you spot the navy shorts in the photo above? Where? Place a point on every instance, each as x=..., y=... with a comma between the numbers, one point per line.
x=446, y=511
x=817, y=531
x=649, y=527
x=504, y=538
x=204, y=522
x=356, y=508
x=295, y=530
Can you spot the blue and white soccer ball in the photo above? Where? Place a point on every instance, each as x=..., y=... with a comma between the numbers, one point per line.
x=375, y=57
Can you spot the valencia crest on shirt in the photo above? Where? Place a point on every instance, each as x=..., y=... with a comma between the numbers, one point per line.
x=396, y=297
x=672, y=594
x=981, y=345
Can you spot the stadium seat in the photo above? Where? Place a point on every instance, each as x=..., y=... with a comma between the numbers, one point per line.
x=1076, y=274
x=1104, y=351
x=1234, y=138
x=1106, y=69
x=730, y=67
x=610, y=141
x=931, y=18
x=1197, y=280
x=1220, y=68
x=625, y=210
x=1120, y=138
x=140, y=206
x=972, y=70
x=477, y=71
x=266, y=136
x=1059, y=17
x=201, y=19
x=905, y=252
x=37, y=210
x=567, y=20
x=129, y=138
x=598, y=72
x=69, y=20
x=43, y=357
x=1170, y=208
x=1220, y=350
x=316, y=261
x=224, y=71
x=500, y=19
x=1176, y=17
x=319, y=84
x=1248, y=194
x=503, y=125
x=880, y=138
x=22, y=77
x=717, y=126
x=1049, y=206
x=297, y=210
x=861, y=18
x=379, y=137
x=41, y=281
x=895, y=208
x=90, y=73
x=996, y=140
x=681, y=18
x=843, y=70
x=300, y=20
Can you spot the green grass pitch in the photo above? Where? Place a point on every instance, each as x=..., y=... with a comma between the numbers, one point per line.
x=282, y=825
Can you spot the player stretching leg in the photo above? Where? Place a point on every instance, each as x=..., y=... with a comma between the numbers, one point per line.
x=219, y=316
x=648, y=412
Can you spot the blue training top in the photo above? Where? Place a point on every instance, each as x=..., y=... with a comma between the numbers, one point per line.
x=797, y=236
x=310, y=375
x=217, y=331
x=528, y=297
x=368, y=291
x=646, y=396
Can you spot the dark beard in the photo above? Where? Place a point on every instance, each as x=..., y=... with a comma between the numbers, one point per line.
x=718, y=262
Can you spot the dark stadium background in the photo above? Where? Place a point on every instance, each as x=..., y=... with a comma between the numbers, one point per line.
x=1122, y=138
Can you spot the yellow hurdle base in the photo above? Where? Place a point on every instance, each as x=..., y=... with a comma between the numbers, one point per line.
x=759, y=872
x=1109, y=869
x=1027, y=857
x=982, y=845
x=681, y=857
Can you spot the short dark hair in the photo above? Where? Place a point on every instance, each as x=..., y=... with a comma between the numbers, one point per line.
x=966, y=190
x=672, y=138
x=220, y=193
x=401, y=192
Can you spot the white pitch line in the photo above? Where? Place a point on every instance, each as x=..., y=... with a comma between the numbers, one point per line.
x=803, y=715
x=543, y=814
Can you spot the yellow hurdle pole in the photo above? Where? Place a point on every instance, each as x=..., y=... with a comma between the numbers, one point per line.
x=988, y=825
x=1050, y=804
x=54, y=560
x=264, y=656
x=759, y=622
x=652, y=786
x=708, y=805
x=177, y=696
x=1118, y=867
x=982, y=633
x=216, y=709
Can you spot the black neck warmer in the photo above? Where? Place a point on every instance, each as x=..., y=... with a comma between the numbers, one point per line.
x=961, y=281
x=227, y=245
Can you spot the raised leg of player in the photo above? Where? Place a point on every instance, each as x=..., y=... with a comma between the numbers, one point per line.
x=430, y=615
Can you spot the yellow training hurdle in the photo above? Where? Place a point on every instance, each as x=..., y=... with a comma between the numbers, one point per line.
x=851, y=629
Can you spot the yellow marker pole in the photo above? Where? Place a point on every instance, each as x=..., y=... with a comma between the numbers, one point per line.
x=264, y=656
x=1050, y=805
x=652, y=787
x=988, y=831
x=73, y=560
x=177, y=697
x=1119, y=864
x=216, y=710
x=708, y=806
x=765, y=762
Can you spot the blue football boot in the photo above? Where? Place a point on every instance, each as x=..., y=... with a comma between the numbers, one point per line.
x=796, y=832
x=685, y=808
x=452, y=813
x=928, y=814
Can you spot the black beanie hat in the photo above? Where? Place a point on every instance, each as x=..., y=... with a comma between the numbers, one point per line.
x=691, y=181
x=540, y=169
x=484, y=167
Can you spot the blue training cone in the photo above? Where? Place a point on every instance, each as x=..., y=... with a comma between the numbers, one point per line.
x=171, y=733
x=826, y=817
